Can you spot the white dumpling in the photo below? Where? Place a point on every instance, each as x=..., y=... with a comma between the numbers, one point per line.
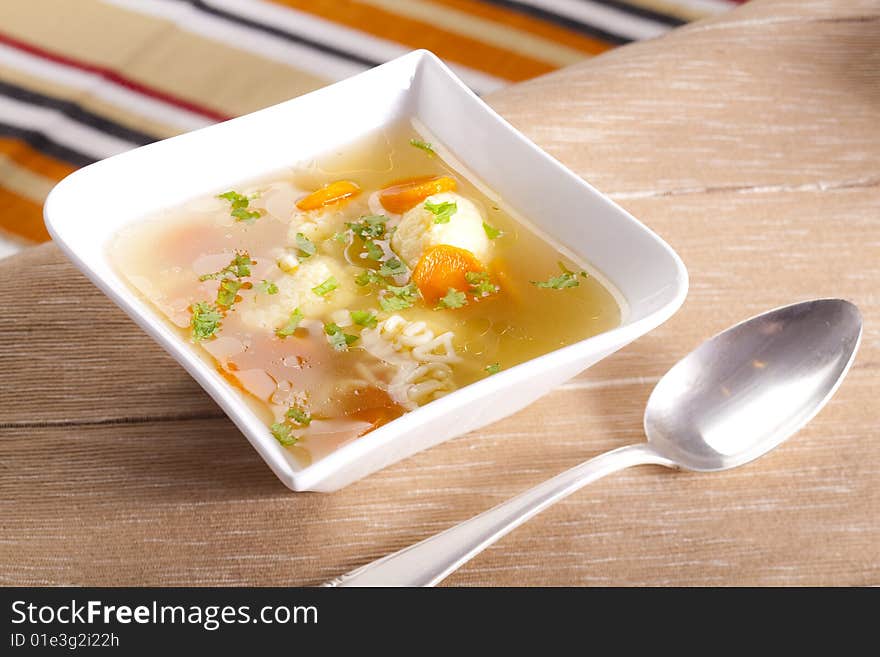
x=271, y=311
x=417, y=230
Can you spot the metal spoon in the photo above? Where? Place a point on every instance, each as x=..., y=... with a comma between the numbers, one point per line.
x=739, y=395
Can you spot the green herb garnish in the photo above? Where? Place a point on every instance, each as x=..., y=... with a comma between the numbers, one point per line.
x=306, y=247
x=453, y=299
x=363, y=318
x=292, y=322
x=342, y=238
x=442, y=211
x=230, y=278
x=268, y=287
x=567, y=279
x=392, y=267
x=239, y=206
x=494, y=368
x=238, y=267
x=374, y=251
x=491, y=232
x=299, y=415
x=283, y=433
x=423, y=145
x=229, y=287
x=369, y=226
x=398, y=297
x=248, y=216
x=368, y=276
x=480, y=283
x=205, y=321
x=326, y=287
x=338, y=339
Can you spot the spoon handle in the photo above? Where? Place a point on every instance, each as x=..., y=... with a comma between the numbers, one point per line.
x=428, y=562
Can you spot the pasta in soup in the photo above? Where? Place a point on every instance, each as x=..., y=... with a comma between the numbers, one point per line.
x=349, y=290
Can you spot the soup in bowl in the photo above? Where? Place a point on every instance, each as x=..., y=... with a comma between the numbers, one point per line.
x=339, y=294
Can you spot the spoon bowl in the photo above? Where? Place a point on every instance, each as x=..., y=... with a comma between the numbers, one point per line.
x=736, y=397
x=749, y=388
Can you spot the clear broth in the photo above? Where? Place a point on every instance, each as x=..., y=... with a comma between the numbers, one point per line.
x=346, y=392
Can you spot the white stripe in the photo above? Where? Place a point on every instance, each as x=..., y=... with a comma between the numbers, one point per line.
x=705, y=6
x=62, y=129
x=99, y=87
x=300, y=57
x=607, y=18
x=313, y=28
x=190, y=19
x=354, y=41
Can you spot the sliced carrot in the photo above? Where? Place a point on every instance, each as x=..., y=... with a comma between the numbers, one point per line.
x=377, y=417
x=442, y=267
x=330, y=193
x=406, y=194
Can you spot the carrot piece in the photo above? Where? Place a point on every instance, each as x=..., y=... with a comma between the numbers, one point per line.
x=330, y=193
x=407, y=194
x=442, y=267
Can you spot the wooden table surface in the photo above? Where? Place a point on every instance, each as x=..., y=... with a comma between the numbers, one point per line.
x=751, y=143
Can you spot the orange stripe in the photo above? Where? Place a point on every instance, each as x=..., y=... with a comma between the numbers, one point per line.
x=22, y=217
x=416, y=34
x=22, y=154
x=528, y=24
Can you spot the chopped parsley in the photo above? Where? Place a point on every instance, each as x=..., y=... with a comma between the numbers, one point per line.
x=239, y=206
x=268, y=287
x=230, y=278
x=306, y=247
x=326, y=287
x=283, y=433
x=363, y=318
x=392, y=267
x=247, y=216
x=342, y=238
x=494, y=368
x=229, y=287
x=442, y=211
x=566, y=279
x=299, y=415
x=367, y=277
x=453, y=299
x=338, y=339
x=491, y=232
x=292, y=322
x=369, y=226
x=398, y=297
x=480, y=283
x=205, y=321
x=239, y=267
x=374, y=251
x=422, y=145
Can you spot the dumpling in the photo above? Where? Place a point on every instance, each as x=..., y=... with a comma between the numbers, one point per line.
x=417, y=230
x=295, y=291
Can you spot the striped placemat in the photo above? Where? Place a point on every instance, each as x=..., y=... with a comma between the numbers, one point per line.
x=80, y=81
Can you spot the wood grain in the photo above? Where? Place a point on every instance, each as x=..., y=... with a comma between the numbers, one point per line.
x=750, y=142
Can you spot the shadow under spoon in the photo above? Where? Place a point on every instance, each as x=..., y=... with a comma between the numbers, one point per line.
x=733, y=399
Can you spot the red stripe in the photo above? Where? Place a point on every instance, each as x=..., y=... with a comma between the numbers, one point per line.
x=115, y=78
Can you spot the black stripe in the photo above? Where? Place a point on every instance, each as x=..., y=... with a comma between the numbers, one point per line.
x=642, y=12
x=563, y=21
x=76, y=112
x=282, y=34
x=44, y=144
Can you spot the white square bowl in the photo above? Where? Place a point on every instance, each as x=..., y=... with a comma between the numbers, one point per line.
x=642, y=268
